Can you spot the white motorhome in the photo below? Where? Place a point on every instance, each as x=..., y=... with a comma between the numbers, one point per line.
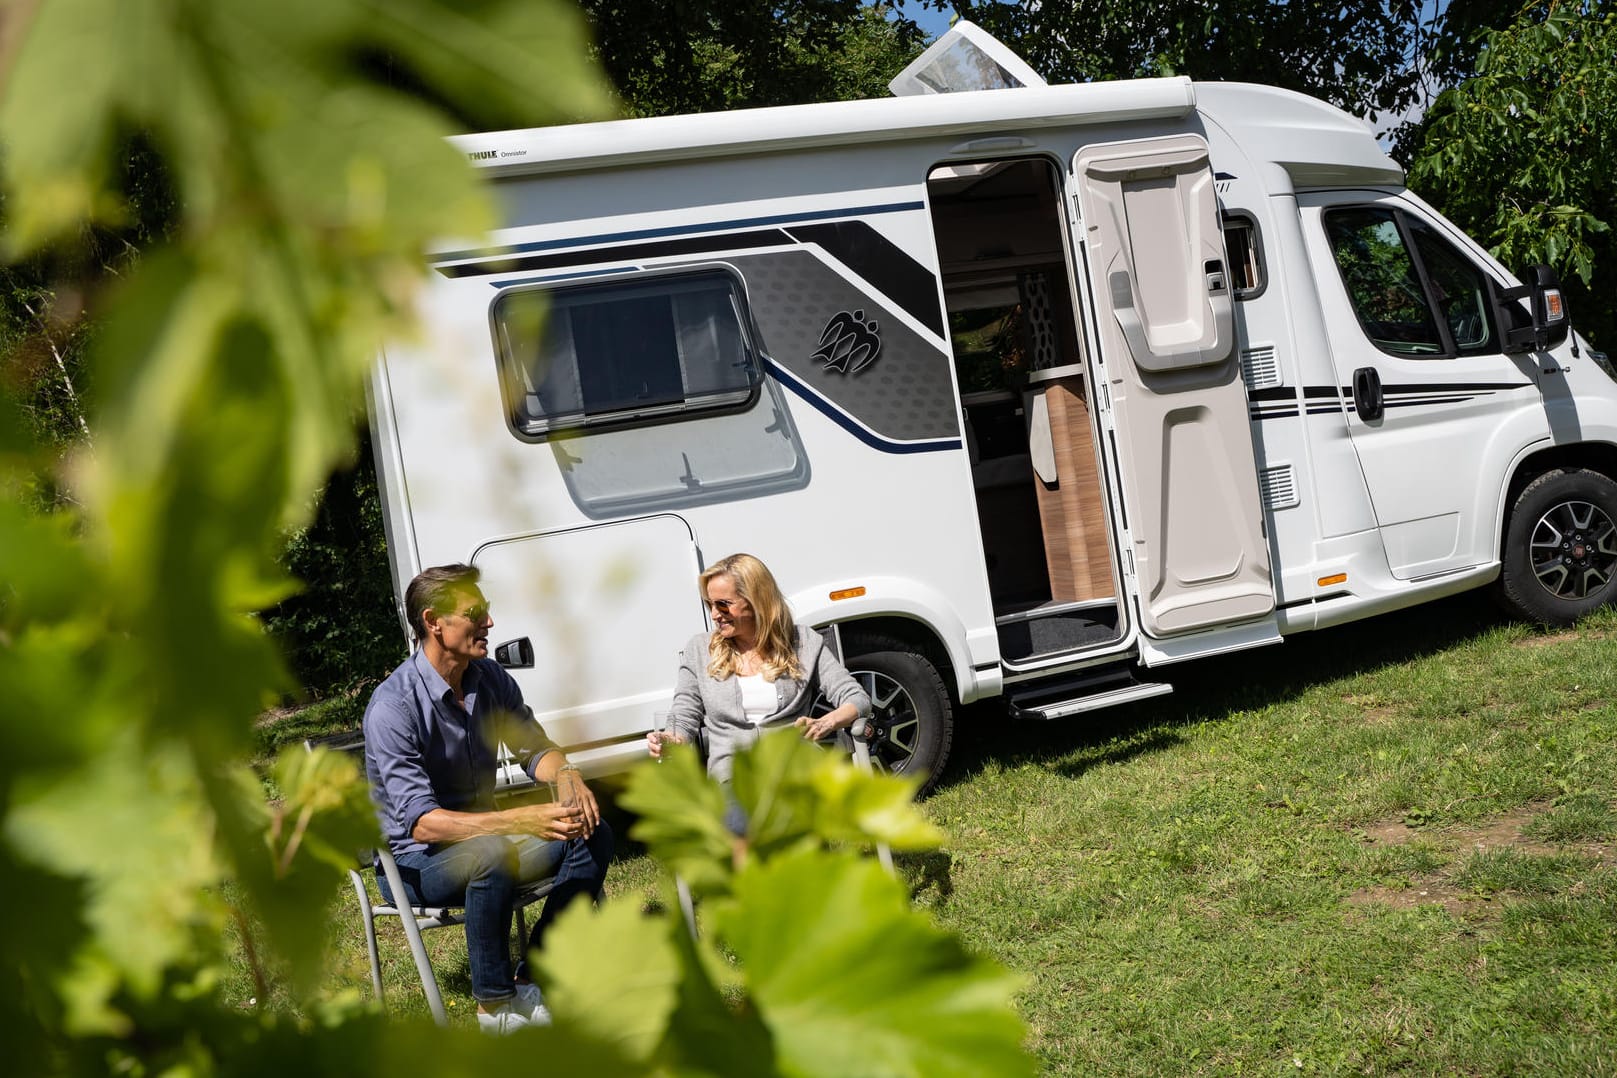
x=1022, y=393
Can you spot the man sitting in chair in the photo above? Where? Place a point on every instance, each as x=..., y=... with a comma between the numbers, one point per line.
x=432, y=736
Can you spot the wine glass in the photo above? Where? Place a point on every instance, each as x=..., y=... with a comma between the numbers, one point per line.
x=660, y=727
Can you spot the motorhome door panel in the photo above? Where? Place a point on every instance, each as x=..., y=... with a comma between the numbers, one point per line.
x=1431, y=392
x=1162, y=293
x=588, y=599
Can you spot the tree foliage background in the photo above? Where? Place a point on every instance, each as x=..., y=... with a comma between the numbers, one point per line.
x=704, y=56
x=1362, y=55
x=1520, y=153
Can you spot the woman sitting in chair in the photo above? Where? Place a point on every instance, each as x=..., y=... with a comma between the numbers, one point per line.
x=758, y=670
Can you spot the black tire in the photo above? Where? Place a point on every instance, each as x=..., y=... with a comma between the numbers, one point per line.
x=912, y=724
x=1560, y=559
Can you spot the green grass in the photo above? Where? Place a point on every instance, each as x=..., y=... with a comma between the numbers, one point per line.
x=1385, y=848
x=334, y=717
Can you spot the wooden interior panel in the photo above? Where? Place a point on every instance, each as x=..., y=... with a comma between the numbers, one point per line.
x=1071, y=512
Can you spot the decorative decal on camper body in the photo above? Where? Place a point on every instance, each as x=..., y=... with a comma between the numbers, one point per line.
x=818, y=324
x=795, y=296
x=1413, y=395
x=878, y=260
x=852, y=425
x=859, y=247
x=1280, y=402
x=848, y=343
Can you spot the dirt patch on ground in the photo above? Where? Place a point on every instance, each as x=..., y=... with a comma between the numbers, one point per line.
x=1546, y=640
x=1392, y=833
x=1506, y=830
x=1436, y=888
x=274, y=715
x=1434, y=893
x=1371, y=710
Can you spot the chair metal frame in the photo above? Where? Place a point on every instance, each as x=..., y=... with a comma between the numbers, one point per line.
x=419, y=919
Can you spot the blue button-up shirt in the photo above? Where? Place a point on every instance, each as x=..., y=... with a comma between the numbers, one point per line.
x=423, y=751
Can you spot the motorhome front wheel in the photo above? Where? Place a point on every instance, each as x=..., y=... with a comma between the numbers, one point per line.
x=1561, y=547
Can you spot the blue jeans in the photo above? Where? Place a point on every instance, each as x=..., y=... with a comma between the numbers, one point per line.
x=483, y=874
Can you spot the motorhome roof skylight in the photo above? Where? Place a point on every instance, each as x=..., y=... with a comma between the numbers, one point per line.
x=965, y=58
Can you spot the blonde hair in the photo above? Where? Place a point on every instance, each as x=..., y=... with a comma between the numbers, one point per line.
x=777, y=633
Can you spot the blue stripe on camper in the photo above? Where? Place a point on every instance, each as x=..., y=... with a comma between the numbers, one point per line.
x=849, y=424
x=561, y=277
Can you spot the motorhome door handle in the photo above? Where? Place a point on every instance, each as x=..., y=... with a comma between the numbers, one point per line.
x=1367, y=394
x=515, y=654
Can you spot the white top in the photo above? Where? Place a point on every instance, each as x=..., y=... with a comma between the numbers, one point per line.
x=757, y=697
x=747, y=132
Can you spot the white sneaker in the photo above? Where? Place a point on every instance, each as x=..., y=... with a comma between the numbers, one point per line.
x=511, y=1017
x=532, y=1004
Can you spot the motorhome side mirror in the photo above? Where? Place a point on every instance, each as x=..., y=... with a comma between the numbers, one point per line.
x=515, y=654
x=1546, y=306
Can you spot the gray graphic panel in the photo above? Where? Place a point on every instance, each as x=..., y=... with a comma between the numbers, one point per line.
x=904, y=393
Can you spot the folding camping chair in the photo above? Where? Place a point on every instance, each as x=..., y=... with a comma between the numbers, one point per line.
x=416, y=919
x=419, y=919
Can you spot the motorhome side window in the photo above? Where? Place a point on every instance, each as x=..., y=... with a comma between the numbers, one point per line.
x=1414, y=293
x=624, y=350
x=1245, y=256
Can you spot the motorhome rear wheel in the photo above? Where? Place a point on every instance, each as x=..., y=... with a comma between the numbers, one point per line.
x=912, y=724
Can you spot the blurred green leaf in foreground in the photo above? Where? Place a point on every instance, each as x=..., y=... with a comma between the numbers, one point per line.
x=305, y=143
x=228, y=366
x=811, y=960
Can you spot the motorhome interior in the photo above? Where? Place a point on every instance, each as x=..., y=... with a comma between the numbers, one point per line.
x=1012, y=309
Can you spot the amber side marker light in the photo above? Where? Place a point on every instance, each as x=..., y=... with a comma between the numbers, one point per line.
x=847, y=593
x=1335, y=578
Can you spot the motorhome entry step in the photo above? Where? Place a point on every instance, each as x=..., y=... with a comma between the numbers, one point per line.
x=1056, y=629
x=1045, y=702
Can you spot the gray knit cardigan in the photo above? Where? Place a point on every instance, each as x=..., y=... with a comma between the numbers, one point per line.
x=714, y=707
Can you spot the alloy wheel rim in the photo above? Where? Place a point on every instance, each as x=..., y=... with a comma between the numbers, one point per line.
x=1573, y=550
x=895, y=725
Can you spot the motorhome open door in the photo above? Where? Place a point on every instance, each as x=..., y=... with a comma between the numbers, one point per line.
x=1155, y=258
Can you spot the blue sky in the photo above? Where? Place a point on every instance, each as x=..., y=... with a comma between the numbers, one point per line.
x=931, y=20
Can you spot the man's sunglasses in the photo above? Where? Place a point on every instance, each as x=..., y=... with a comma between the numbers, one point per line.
x=476, y=614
